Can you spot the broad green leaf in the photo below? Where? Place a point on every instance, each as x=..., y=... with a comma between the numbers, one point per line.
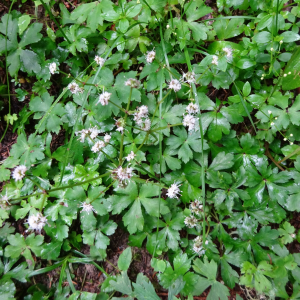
x=125, y=259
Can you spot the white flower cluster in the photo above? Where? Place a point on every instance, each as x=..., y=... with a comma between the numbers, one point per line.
x=19, y=173
x=228, y=52
x=87, y=207
x=98, y=146
x=189, y=77
x=150, y=56
x=175, y=85
x=91, y=132
x=215, y=60
x=120, y=123
x=174, y=191
x=36, y=222
x=52, y=68
x=196, y=207
x=104, y=98
x=190, y=222
x=99, y=60
x=123, y=175
x=198, y=245
x=4, y=204
x=142, y=119
x=133, y=83
x=130, y=156
x=189, y=120
x=74, y=88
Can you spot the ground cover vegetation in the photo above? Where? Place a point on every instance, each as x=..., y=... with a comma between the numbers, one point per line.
x=173, y=123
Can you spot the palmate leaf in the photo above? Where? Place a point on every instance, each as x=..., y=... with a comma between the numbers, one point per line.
x=28, y=151
x=185, y=143
x=209, y=270
x=133, y=218
x=41, y=105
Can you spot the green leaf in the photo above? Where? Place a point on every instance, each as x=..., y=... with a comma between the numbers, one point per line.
x=125, y=259
x=226, y=29
x=196, y=10
x=30, y=61
x=292, y=81
x=23, y=23
x=122, y=284
x=28, y=152
x=290, y=36
x=263, y=37
x=144, y=289
x=41, y=105
x=31, y=35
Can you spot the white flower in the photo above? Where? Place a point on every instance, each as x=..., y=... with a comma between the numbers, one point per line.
x=142, y=112
x=93, y=132
x=269, y=112
x=104, y=98
x=146, y=125
x=120, y=128
x=272, y=49
x=291, y=134
x=215, y=60
x=291, y=143
x=190, y=222
x=293, y=235
x=4, y=204
x=281, y=42
x=87, y=207
x=285, y=139
x=190, y=77
x=196, y=207
x=284, y=75
x=228, y=52
x=174, y=191
x=272, y=123
x=192, y=108
x=98, y=146
x=19, y=173
x=150, y=56
x=190, y=122
x=83, y=133
x=168, y=26
x=198, y=246
x=52, y=68
x=175, y=85
x=123, y=175
x=107, y=138
x=289, y=73
x=74, y=88
x=130, y=156
x=133, y=83
x=99, y=60
x=36, y=222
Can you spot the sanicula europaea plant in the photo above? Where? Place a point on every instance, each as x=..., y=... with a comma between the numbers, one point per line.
x=174, y=122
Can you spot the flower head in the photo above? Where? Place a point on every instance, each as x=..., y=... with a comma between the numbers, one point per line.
x=174, y=191
x=94, y=131
x=175, y=85
x=83, y=134
x=36, y=222
x=19, y=172
x=130, y=156
x=196, y=207
x=150, y=56
x=190, y=77
x=104, y=98
x=133, y=83
x=228, y=52
x=197, y=247
x=99, y=60
x=87, y=207
x=215, y=60
x=52, y=68
x=4, y=204
x=192, y=108
x=98, y=146
x=190, y=222
x=123, y=175
x=74, y=88
x=190, y=122
x=120, y=123
x=107, y=138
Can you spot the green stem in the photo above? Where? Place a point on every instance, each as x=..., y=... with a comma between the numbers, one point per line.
x=125, y=119
x=82, y=82
x=35, y=183
x=102, y=192
x=143, y=142
x=121, y=108
x=159, y=103
x=168, y=126
x=43, y=202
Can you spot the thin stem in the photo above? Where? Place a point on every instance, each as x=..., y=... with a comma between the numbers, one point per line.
x=102, y=192
x=125, y=119
x=35, y=183
x=121, y=108
x=168, y=126
x=143, y=142
x=82, y=82
x=159, y=103
x=43, y=202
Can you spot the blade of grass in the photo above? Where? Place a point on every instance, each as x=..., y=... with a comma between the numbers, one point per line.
x=45, y=270
x=290, y=155
x=70, y=280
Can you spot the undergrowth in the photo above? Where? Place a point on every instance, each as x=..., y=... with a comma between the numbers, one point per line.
x=179, y=123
